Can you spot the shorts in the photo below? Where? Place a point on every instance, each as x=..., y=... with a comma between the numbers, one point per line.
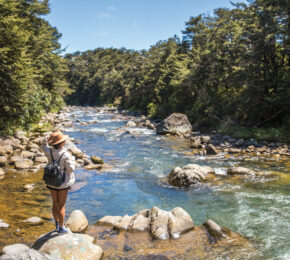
x=67, y=188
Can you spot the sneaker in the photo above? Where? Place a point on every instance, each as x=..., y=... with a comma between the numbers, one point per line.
x=63, y=230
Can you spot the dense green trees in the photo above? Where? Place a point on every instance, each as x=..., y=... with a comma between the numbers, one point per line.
x=31, y=68
x=230, y=68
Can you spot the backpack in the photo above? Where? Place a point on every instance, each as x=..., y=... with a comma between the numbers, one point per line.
x=52, y=174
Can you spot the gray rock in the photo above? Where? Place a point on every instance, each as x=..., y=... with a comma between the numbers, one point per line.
x=77, y=221
x=109, y=220
x=13, y=142
x=139, y=222
x=176, y=124
x=240, y=142
x=14, y=248
x=205, y=139
x=33, y=221
x=69, y=246
x=23, y=164
x=27, y=154
x=179, y=222
x=15, y=158
x=124, y=222
x=234, y=150
x=131, y=124
x=41, y=159
x=28, y=254
x=159, y=223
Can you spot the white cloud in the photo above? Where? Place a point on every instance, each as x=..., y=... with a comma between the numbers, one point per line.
x=103, y=15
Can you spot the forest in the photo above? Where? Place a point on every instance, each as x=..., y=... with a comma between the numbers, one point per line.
x=229, y=70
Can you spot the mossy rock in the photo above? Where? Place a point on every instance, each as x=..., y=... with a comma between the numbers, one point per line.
x=97, y=160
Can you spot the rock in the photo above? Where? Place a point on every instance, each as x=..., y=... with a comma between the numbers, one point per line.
x=189, y=175
x=214, y=229
x=28, y=254
x=179, y=222
x=29, y=187
x=234, y=150
x=14, y=248
x=205, y=139
x=77, y=221
x=69, y=246
x=32, y=146
x=6, y=149
x=87, y=161
x=139, y=223
x=195, y=145
x=76, y=151
x=23, y=164
x=131, y=124
x=41, y=159
x=13, y=142
x=27, y=154
x=239, y=170
x=124, y=222
x=3, y=224
x=15, y=158
x=174, y=124
x=147, y=123
x=3, y=160
x=33, y=220
x=159, y=223
x=210, y=149
x=97, y=160
x=92, y=166
x=2, y=173
x=109, y=220
x=240, y=142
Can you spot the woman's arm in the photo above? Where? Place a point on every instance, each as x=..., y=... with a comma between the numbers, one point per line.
x=70, y=164
x=44, y=145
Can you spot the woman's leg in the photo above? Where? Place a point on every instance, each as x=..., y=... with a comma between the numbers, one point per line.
x=55, y=207
x=61, y=195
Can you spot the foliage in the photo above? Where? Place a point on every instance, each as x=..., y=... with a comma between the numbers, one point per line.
x=31, y=68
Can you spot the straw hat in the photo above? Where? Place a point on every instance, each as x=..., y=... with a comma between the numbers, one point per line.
x=56, y=138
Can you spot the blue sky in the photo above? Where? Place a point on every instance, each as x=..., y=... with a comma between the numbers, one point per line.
x=133, y=24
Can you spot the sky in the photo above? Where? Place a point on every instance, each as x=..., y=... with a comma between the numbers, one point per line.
x=133, y=24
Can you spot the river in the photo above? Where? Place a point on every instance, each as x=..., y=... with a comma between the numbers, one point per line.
x=258, y=208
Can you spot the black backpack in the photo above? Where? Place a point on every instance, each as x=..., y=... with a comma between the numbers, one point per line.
x=52, y=174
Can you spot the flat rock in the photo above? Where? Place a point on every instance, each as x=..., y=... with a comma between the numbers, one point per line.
x=33, y=220
x=29, y=187
x=109, y=220
x=28, y=254
x=27, y=154
x=77, y=221
x=239, y=170
x=41, y=159
x=97, y=160
x=93, y=166
x=3, y=224
x=14, y=248
x=23, y=164
x=69, y=246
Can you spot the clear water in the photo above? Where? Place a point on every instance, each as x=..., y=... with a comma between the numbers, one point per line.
x=256, y=208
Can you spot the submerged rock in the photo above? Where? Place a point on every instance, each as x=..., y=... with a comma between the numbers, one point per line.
x=97, y=160
x=239, y=170
x=210, y=149
x=77, y=221
x=3, y=224
x=175, y=124
x=131, y=124
x=68, y=246
x=33, y=221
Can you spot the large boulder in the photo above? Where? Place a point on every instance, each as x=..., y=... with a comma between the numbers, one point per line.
x=23, y=164
x=175, y=124
x=28, y=254
x=6, y=149
x=11, y=249
x=159, y=223
x=77, y=221
x=68, y=246
x=189, y=175
x=139, y=222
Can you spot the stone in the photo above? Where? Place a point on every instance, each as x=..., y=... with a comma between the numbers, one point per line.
x=210, y=149
x=14, y=248
x=15, y=158
x=27, y=154
x=139, y=223
x=175, y=124
x=41, y=159
x=32, y=146
x=205, y=139
x=28, y=254
x=33, y=220
x=179, y=222
x=97, y=160
x=3, y=160
x=109, y=220
x=147, y=123
x=87, y=161
x=240, y=142
x=233, y=150
x=3, y=224
x=29, y=187
x=69, y=246
x=13, y=142
x=92, y=166
x=159, y=223
x=77, y=221
x=6, y=149
x=131, y=124
x=2, y=173
x=214, y=229
x=23, y=164
x=124, y=222
x=76, y=151
x=239, y=170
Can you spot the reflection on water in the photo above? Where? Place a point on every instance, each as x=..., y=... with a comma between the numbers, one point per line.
x=258, y=208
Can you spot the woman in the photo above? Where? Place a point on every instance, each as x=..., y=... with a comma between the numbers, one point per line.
x=67, y=165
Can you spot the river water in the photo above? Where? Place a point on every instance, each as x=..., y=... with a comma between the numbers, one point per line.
x=258, y=208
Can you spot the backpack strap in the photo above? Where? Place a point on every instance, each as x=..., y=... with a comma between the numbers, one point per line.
x=60, y=158
x=51, y=156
